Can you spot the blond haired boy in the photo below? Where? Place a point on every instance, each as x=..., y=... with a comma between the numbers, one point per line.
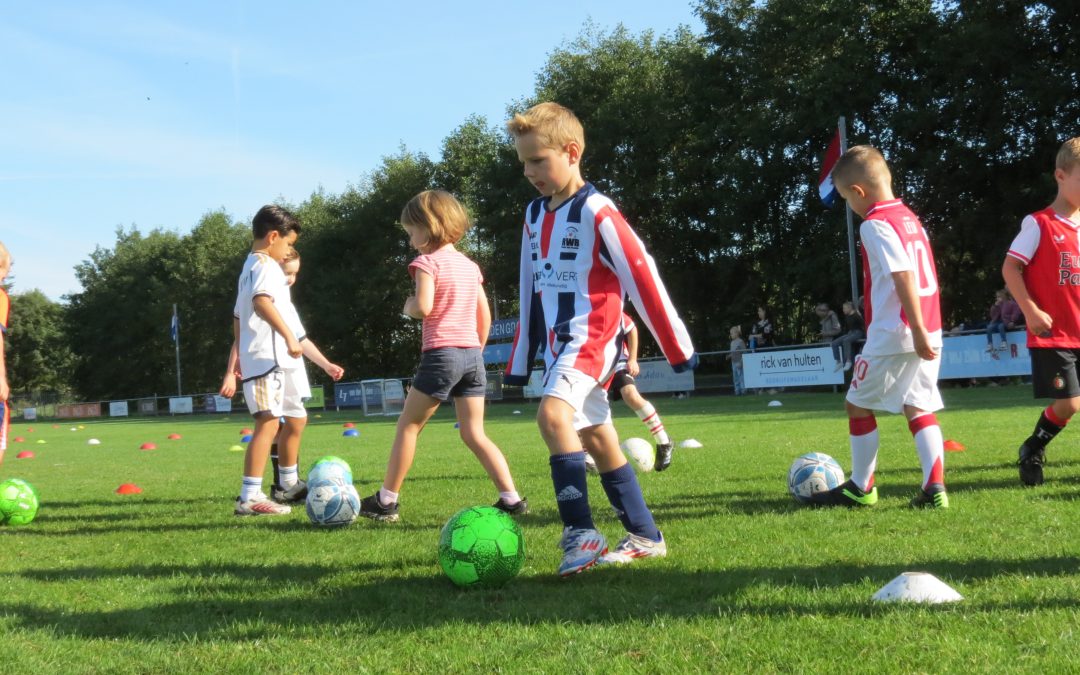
x=897, y=370
x=1042, y=271
x=579, y=259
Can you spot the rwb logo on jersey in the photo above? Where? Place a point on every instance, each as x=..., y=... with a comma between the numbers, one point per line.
x=570, y=239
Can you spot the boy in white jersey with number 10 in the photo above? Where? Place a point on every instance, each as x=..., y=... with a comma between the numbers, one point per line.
x=579, y=259
x=898, y=369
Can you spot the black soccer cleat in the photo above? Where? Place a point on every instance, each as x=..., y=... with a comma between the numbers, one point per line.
x=933, y=496
x=663, y=455
x=371, y=508
x=519, y=508
x=297, y=493
x=1031, y=465
x=846, y=494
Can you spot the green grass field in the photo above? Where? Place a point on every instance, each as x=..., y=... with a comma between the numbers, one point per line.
x=171, y=581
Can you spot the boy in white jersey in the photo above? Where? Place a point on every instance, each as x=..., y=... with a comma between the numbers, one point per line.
x=1042, y=271
x=287, y=487
x=579, y=259
x=898, y=369
x=269, y=351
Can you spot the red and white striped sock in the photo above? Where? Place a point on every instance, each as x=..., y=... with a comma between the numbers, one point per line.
x=651, y=418
x=864, y=449
x=930, y=446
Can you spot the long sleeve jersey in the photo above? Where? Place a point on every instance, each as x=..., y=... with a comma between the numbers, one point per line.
x=578, y=262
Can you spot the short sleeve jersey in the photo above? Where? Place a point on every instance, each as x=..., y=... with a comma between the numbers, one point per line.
x=1048, y=247
x=262, y=349
x=452, y=320
x=893, y=240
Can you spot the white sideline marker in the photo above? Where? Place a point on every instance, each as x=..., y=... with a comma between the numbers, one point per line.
x=775, y=404
x=93, y=441
x=917, y=587
x=691, y=443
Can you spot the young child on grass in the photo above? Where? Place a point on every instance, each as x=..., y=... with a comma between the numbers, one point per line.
x=451, y=302
x=1042, y=271
x=290, y=489
x=898, y=369
x=579, y=259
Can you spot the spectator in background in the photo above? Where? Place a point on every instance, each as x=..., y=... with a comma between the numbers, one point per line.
x=761, y=334
x=830, y=323
x=854, y=330
x=1004, y=316
x=737, y=349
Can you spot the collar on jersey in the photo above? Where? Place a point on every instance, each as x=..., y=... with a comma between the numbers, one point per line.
x=887, y=204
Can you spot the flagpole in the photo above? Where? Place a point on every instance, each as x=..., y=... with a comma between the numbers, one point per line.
x=850, y=227
x=176, y=340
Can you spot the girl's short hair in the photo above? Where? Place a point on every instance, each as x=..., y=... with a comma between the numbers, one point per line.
x=439, y=214
x=737, y=330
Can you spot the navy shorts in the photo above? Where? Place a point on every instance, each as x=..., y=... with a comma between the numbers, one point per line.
x=1053, y=372
x=447, y=372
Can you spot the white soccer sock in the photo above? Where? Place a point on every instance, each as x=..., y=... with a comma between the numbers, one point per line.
x=930, y=446
x=647, y=414
x=250, y=488
x=386, y=498
x=864, y=449
x=510, y=498
x=289, y=475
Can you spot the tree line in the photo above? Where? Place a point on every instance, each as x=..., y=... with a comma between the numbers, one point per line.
x=710, y=143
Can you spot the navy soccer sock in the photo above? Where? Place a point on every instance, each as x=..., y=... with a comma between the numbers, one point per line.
x=624, y=493
x=571, y=490
x=274, y=462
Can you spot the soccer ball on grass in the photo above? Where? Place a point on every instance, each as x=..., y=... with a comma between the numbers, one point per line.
x=811, y=473
x=481, y=546
x=18, y=502
x=332, y=504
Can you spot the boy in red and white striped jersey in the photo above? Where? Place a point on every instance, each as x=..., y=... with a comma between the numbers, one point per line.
x=579, y=259
x=1042, y=271
x=897, y=370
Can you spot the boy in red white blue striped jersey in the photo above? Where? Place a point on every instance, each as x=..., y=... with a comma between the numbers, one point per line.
x=579, y=259
x=1042, y=271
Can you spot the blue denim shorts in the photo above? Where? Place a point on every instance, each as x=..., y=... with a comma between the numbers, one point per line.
x=447, y=372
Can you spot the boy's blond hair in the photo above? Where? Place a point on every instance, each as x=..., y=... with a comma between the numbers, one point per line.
x=1068, y=155
x=439, y=214
x=862, y=165
x=556, y=126
x=5, y=257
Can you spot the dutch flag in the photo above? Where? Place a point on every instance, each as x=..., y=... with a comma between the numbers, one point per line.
x=826, y=189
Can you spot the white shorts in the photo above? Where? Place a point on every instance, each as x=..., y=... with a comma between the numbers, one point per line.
x=584, y=394
x=281, y=393
x=891, y=381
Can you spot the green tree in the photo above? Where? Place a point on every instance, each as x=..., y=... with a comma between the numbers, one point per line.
x=38, y=355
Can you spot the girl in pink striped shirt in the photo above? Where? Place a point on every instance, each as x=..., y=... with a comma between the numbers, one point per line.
x=452, y=303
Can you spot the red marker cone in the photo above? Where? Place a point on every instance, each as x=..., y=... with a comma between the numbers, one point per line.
x=25, y=454
x=349, y=425
x=174, y=437
x=245, y=432
x=129, y=489
x=148, y=446
x=954, y=446
x=20, y=439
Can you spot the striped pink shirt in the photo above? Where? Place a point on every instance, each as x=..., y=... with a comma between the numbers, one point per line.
x=452, y=321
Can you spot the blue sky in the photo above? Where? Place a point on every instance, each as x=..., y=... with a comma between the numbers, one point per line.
x=152, y=114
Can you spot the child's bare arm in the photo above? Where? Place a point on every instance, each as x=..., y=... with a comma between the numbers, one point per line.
x=483, y=316
x=907, y=290
x=264, y=307
x=5, y=390
x=228, y=383
x=419, y=305
x=632, y=366
x=1038, y=321
x=315, y=356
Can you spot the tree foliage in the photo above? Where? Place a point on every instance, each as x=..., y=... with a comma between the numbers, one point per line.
x=711, y=145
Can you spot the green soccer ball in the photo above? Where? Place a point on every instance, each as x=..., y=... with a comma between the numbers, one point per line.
x=481, y=546
x=18, y=502
x=331, y=458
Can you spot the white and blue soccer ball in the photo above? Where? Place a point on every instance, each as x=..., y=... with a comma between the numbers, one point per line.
x=812, y=473
x=337, y=472
x=332, y=504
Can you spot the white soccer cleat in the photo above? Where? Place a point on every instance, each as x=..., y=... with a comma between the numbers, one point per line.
x=633, y=547
x=260, y=505
x=582, y=549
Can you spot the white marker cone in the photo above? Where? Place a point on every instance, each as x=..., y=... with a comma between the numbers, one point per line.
x=775, y=404
x=691, y=443
x=917, y=587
